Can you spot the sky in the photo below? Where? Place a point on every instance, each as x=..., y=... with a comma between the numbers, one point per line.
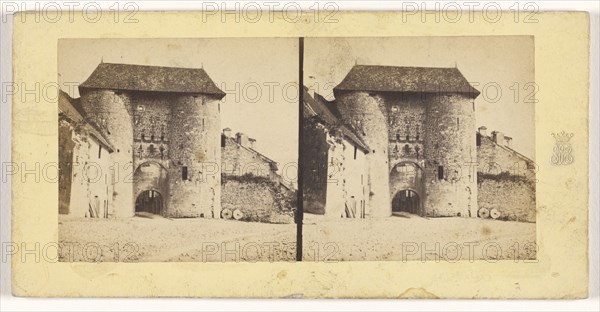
x=490, y=63
x=259, y=75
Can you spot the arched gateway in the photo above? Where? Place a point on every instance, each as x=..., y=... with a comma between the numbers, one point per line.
x=406, y=183
x=151, y=188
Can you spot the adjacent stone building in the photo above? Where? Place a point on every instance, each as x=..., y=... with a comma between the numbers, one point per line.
x=240, y=157
x=334, y=162
x=506, y=179
x=85, y=187
x=251, y=185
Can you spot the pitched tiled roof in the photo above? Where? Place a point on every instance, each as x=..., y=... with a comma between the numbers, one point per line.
x=70, y=109
x=406, y=79
x=319, y=107
x=151, y=78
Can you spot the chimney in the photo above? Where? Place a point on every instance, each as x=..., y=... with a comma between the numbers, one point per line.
x=227, y=132
x=508, y=141
x=483, y=130
x=241, y=139
x=498, y=137
x=311, y=85
x=252, y=143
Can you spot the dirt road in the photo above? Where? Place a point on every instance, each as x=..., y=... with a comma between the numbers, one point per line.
x=208, y=240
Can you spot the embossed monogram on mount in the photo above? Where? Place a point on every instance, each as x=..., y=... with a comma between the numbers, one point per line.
x=562, y=149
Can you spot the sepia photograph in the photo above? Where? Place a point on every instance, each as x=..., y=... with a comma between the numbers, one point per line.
x=178, y=149
x=410, y=151
x=419, y=148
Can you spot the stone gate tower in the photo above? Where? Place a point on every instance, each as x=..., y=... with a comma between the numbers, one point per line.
x=165, y=125
x=420, y=126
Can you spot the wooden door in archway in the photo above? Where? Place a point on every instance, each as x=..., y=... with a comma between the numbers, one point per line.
x=406, y=201
x=149, y=201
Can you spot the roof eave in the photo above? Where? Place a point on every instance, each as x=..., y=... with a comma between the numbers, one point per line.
x=359, y=145
x=101, y=139
x=474, y=93
x=218, y=95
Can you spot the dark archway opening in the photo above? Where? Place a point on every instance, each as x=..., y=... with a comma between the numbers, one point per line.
x=149, y=201
x=406, y=201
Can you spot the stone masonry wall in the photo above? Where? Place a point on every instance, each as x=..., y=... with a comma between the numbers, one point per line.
x=258, y=198
x=515, y=200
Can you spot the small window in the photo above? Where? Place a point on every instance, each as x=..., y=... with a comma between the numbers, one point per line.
x=406, y=149
x=184, y=173
x=355, y=150
x=440, y=172
x=99, y=151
